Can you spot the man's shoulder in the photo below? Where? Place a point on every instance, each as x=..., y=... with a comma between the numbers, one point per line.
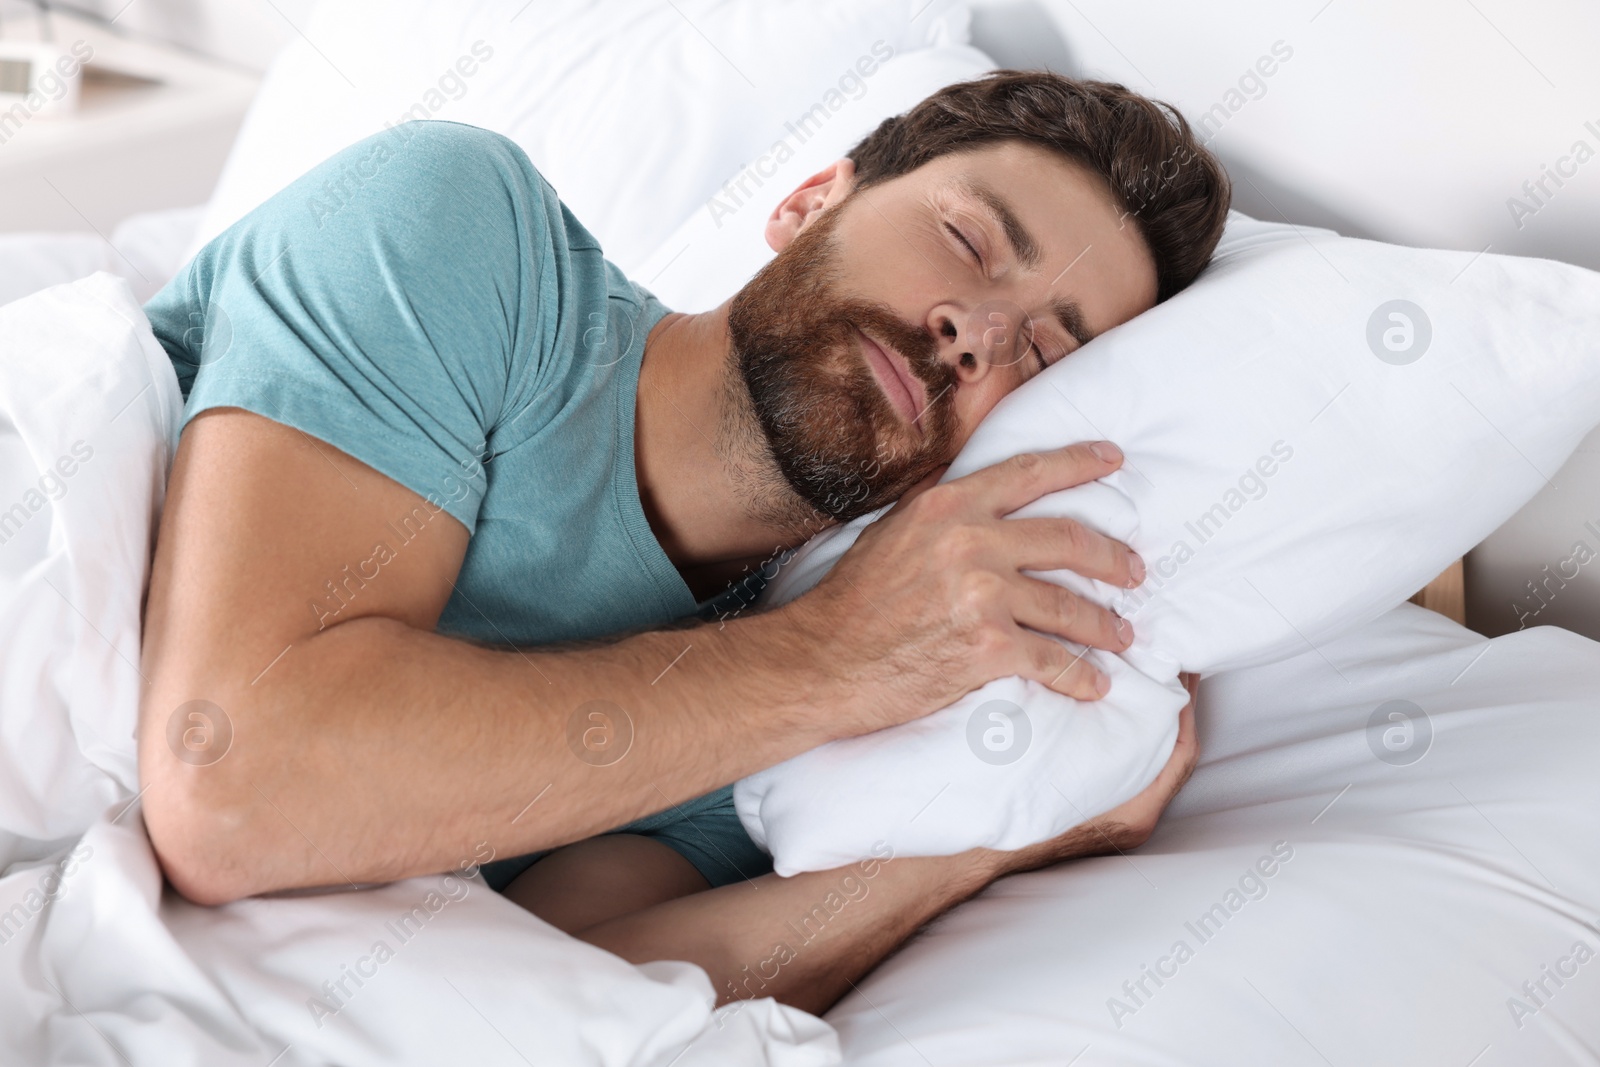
x=432, y=163
x=441, y=161
x=445, y=147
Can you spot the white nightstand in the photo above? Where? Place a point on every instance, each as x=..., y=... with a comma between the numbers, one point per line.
x=132, y=145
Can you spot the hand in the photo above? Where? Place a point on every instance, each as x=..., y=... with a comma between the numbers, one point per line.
x=1120, y=829
x=930, y=602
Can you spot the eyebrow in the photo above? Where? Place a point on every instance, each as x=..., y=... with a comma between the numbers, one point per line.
x=1026, y=250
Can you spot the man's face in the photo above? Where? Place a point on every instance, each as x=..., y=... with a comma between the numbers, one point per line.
x=896, y=317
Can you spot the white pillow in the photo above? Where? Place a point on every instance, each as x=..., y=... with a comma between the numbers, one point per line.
x=723, y=244
x=145, y=250
x=33, y=261
x=1313, y=430
x=632, y=112
x=88, y=417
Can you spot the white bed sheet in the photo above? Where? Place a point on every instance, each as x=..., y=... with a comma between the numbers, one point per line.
x=1420, y=895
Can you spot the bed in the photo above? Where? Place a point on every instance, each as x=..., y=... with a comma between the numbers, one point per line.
x=1319, y=893
x=1310, y=897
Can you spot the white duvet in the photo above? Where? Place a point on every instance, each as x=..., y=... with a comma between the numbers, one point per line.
x=99, y=964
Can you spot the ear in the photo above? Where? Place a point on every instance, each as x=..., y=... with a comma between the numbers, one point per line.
x=815, y=195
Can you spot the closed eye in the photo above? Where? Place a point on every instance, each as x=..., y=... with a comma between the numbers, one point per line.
x=958, y=235
x=1033, y=345
x=1038, y=355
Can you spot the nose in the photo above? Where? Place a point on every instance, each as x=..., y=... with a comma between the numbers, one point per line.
x=977, y=342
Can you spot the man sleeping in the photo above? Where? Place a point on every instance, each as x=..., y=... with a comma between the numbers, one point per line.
x=461, y=519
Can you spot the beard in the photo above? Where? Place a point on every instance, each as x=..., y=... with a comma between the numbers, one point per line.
x=841, y=445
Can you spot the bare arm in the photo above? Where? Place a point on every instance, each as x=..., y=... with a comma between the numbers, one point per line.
x=808, y=939
x=373, y=749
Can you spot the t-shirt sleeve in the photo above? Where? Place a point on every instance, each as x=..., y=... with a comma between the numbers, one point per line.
x=388, y=303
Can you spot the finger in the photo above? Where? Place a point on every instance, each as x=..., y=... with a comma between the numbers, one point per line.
x=1186, y=752
x=1067, y=544
x=1191, y=682
x=1048, y=608
x=1053, y=664
x=1007, y=486
x=1187, y=737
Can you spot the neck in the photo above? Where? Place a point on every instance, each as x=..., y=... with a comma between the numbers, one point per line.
x=711, y=490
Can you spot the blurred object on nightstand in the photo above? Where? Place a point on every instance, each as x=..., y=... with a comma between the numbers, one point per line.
x=40, y=77
x=151, y=130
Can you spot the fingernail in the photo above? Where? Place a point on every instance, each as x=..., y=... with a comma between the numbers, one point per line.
x=1102, y=683
x=1136, y=568
x=1124, y=631
x=1106, y=452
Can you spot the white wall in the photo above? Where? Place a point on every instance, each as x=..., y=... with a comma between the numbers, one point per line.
x=1414, y=121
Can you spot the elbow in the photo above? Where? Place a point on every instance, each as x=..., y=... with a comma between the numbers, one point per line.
x=198, y=814
x=200, y=848
x=200, y=810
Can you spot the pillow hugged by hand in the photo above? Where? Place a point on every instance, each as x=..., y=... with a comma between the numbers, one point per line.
x=1312, y=430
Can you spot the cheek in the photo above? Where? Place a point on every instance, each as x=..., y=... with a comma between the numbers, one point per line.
x=975, y=401
x=896, y=267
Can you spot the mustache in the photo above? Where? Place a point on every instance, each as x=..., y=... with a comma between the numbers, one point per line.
x=916, y=345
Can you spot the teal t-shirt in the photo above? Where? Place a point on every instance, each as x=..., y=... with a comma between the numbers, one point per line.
x=425, y=303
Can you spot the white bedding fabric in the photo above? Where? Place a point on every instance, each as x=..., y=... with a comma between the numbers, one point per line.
x=1287, y=477
x=1419, y=899
x=97, y=964
x=1427, y=882
x=632, y=112
x=88, y=411
x=144, y=250
x=1422, y=892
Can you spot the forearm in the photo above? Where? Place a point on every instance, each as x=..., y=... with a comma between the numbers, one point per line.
x=374, y=750
x=804, y=940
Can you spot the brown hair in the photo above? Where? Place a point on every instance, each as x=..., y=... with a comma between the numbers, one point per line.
x=1144, y=149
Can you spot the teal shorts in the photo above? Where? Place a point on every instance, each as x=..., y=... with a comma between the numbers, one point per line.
x=705, y=831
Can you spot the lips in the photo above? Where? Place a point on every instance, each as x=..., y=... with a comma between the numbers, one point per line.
x=904, y=390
